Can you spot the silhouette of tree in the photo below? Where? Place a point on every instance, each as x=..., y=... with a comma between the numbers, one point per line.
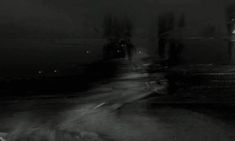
x=165, y=25
x=209, y=31
x=181, y=21
x=230, y=22
x=117, y=27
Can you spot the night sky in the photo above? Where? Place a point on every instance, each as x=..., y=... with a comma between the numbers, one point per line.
x=34, y=21
x=81, y=17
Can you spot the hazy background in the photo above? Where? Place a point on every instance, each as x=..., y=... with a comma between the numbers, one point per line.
x=39, y=34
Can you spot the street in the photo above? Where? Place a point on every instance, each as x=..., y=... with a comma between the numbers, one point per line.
x=122, y=109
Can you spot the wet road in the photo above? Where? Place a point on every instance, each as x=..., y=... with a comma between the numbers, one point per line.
x=113, y=111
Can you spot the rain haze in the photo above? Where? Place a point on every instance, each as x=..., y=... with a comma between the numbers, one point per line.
x=104, y=70
x=36, y=26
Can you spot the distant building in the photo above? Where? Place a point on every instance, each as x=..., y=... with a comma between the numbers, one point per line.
x=230, y=22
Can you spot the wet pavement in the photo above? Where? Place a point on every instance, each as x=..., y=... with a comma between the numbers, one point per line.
x=130, y=106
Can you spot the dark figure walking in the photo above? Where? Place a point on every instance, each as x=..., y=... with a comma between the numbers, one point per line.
x=174, y=51
x=162, y=47
x=130, y=50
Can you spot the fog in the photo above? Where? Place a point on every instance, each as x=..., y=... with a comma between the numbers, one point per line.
x=58, y=20
x=85, y=17
x=89, y=123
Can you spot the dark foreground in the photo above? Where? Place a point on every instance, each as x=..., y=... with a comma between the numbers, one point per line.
x=132, y=105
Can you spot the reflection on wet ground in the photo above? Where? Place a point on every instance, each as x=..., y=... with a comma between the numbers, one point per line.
x=133, y=122
x=130, y=106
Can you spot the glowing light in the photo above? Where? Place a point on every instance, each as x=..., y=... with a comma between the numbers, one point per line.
x=55, y=71
x=140, y=52
x=123, y=45
x=118, y=51
x=233, y=31
x=88, y=51
x=40, y=72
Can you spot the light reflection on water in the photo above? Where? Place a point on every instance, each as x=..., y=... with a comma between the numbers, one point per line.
x=87, y=123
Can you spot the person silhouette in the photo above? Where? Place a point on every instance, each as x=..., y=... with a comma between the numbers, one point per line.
x=130, y=49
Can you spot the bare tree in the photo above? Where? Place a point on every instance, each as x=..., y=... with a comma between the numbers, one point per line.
x=117, y=27
x=182, y=23
x=208, y=31
x=230, y=22
x=165, y=25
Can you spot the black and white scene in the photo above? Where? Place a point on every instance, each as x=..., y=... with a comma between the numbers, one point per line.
x=117, y=70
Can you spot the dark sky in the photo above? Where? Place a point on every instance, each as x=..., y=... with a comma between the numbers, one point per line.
x=84, y=17
x=23, y=19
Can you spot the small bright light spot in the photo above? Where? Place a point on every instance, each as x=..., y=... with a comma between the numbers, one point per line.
x=118, y=51
x=40, y=72
x=88, y=51
x=233, y=31
x=140, y=52
x=55, y=71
